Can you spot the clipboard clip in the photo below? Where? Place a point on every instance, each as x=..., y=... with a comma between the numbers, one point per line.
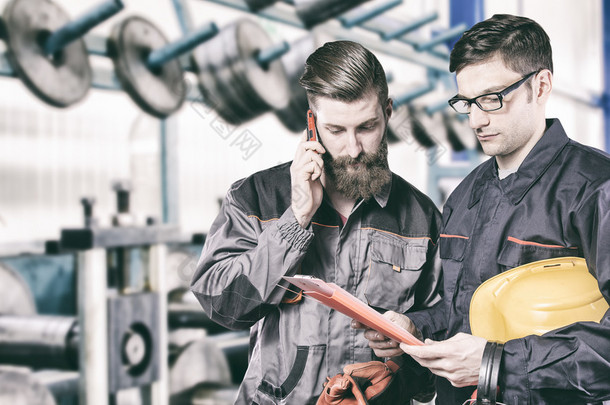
x=310, y=284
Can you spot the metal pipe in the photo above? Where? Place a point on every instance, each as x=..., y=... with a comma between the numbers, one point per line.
x=80, y=26
x=93, y=322
x=268, y=55
x=159, y=390
x=397, y=49
x=39, y=341
x=408, y=27
x=384, y=24
x=378, y=25
x=49, y=341
x=362, y=13
x=171, y=51
x=445, y=36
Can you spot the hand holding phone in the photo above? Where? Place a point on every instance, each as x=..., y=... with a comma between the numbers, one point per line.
x=306, y=170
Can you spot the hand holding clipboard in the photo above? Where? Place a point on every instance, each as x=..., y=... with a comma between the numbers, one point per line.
x=340, y=300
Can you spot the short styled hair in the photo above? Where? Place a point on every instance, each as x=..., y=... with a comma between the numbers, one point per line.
x=345, y=71
x=521, y=44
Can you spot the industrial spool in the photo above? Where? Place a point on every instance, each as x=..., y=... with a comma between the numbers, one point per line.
x=159, y=92
x=147, y=64
x=293, y=115
x=47, y=51
x=232, y=79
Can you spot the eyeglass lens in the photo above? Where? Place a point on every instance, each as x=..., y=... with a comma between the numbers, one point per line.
x=488, y=102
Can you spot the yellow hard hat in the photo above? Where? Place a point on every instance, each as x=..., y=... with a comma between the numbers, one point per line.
x=536, y=298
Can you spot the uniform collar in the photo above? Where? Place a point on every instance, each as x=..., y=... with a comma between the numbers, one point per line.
x=383, y=195
x=533, y=167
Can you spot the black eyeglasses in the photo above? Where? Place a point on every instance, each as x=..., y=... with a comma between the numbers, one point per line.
x=486, y=102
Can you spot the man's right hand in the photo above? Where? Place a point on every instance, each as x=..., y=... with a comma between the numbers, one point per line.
x=384, y=346
x=306, y=171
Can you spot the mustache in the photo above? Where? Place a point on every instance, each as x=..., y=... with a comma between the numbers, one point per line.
x=365, y=158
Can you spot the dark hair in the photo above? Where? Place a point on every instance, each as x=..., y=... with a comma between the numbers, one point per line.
x=343, y=70
x=519, y=42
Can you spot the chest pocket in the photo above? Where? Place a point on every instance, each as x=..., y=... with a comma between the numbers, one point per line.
x=395, y=267
x=453, y=247
x=516, y=252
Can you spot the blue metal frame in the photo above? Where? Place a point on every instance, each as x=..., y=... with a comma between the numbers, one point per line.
x=467, y=12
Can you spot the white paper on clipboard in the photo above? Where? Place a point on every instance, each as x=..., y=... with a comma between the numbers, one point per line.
x=340, y=300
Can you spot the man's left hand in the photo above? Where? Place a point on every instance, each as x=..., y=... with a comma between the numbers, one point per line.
x=457, y=359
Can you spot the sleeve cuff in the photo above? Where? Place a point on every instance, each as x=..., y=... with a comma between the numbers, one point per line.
x=290, y=230
x=429, y=322
x=513, y=379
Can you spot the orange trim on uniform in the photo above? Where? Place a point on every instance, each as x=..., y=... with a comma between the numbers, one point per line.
x=297, y=298
x=328, y=226
x=525, y=242
x=444, y=235
x=400, y=236
x=263, y=220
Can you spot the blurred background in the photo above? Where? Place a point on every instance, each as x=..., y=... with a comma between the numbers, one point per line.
x=123, y=124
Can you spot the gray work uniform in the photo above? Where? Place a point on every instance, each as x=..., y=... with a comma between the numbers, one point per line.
x=386, y=254
x=557, y=204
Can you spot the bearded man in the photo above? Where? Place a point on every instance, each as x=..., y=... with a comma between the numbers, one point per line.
x=335, y=212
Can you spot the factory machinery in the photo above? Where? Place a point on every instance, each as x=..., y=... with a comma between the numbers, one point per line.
x=103, y=315
x=129, y=330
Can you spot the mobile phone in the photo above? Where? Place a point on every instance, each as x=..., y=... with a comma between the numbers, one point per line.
x=312, y=135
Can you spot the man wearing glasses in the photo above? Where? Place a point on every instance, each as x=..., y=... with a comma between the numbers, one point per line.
x=541, y=196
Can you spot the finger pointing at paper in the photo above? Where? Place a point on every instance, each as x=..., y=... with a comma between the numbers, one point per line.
x=457, y=359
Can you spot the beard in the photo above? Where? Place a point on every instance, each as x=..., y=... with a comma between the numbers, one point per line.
x=368, y=179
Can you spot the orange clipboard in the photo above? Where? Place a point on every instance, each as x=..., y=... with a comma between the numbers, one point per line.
x=340, y=300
